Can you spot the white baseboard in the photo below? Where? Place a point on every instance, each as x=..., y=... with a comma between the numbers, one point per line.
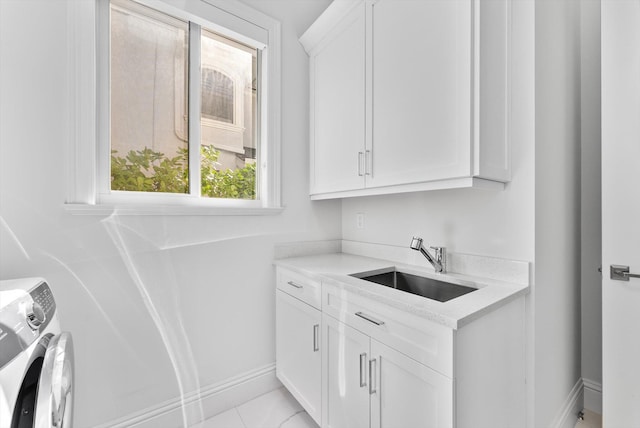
x=205, y=403
x=568, y=414
x=592, y=396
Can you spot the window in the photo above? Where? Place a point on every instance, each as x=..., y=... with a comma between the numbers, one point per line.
x=149, y=67
x=149, y=88
x=187, y=105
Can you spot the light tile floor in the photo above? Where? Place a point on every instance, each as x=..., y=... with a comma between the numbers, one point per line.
x=276, y=409
x=591, y=420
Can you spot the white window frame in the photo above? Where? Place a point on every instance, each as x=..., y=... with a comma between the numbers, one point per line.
x=88, y=178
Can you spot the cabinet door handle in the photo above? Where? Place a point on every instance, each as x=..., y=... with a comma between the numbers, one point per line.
x=372, y=376
x=369, y=318
x=368, y=163
x=316, y=329
x=293, y=284
x=363, y=370
x=360, y=162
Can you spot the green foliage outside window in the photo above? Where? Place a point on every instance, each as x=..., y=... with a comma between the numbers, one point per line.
x=149, y=171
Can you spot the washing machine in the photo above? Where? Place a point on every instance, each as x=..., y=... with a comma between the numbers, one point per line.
x=36, y=358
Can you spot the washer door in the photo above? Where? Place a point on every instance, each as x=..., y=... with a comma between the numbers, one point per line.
x=54, y=404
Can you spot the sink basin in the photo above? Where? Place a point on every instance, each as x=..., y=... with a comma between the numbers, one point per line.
x=414, y=284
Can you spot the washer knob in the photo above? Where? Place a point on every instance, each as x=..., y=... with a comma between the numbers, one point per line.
x=36, y=316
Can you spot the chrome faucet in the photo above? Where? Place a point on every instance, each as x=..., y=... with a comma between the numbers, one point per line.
x=437, y=260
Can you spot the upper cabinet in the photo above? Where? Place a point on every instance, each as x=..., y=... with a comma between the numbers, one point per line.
x=408, y=95
x=338, y=103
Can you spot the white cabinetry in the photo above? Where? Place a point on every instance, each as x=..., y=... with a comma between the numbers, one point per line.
x=427, y=396
x=368, y=384
x=420, y=373
x=345, y=354
x=408, y=95
x=353, y=361
x=337, y=106
x=421, y=118
x=298, y=341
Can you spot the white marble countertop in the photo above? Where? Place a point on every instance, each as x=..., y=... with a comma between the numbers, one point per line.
x=334, y=269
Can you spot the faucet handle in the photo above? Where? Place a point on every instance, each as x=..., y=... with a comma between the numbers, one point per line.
x=440, y=256
x=440, y=251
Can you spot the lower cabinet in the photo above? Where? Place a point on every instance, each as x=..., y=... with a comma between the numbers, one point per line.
x=407, y=393
x=345, y=353
x=355, y=362
x=368, y=384
x=298, y=353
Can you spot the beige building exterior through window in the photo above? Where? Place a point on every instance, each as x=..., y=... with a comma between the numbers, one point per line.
x=149, y=93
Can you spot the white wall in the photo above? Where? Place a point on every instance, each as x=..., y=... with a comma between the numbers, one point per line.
x=591, y=206
x=557, y=207
x=207, y=280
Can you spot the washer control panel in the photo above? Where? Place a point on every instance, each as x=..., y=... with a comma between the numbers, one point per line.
x=43, y=306
x=24, y=313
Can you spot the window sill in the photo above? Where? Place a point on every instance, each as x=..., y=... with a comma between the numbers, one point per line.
x=167, y=210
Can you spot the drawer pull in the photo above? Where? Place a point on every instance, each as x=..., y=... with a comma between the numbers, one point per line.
x=316, y=329
x=372, y=376
x=363, y=370
x=293, y=284
x=369, y=318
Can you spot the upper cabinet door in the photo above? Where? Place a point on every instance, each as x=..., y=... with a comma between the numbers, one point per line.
x=337, y=111
x=421, y=84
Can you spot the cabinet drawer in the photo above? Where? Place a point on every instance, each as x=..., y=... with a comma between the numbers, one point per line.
x=424, y=341
x=299, y=286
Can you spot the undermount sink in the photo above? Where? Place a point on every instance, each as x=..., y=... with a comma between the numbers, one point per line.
x=414, y=284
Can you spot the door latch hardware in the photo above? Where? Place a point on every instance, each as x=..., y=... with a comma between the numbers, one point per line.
x=621, y=273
